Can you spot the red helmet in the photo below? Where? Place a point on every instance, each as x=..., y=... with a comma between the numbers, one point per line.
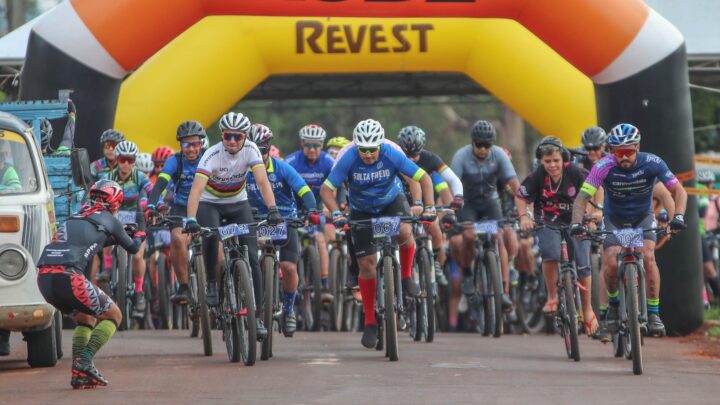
x=162, y=154
x=107, y=194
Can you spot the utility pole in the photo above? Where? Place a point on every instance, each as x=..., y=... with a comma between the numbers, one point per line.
x=15, y=13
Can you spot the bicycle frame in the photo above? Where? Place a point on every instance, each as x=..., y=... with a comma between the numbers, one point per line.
x=625, y=257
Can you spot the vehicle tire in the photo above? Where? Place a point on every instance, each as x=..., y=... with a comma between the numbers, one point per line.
x=58, y=334
x=570, y=319
x=42, y=346
x=495, y=282
x=204, y=316
x=163, y=293
x=336, y=280
x=313, y=270
x=390, y=310
x=246, y=305
x=230, y=325
x=633, y=312
x=121, y=286
x=268, y=274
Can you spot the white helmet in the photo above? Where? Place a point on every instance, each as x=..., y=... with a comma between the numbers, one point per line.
x=126, y=148
x=206, y=142
x=144, y=162
x=368, y=133
x=235, y=122
x=312, y=132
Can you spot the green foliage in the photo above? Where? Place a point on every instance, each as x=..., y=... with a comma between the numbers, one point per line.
x=706, y=114
x=712, y=314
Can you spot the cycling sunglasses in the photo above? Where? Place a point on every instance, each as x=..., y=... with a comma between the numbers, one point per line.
x=592, y=148
x=109, y=145
x=368, y=151
x=194, y=144
x=234, y=136
x=480, y=145
x=126, y=159
x=313, y=145
x=621, y=153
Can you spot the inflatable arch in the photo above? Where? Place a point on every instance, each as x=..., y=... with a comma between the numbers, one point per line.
x=144, y=66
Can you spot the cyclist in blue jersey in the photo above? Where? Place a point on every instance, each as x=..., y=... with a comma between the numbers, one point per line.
x=371, y=169
x=179, y=172
x=314, y=165
x=286, y=183
x=628, y=177
x=101, y=167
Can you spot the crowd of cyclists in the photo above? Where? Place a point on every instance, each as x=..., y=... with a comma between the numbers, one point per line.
x=329, y=183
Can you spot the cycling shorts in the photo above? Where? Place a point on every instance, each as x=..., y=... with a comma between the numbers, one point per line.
x=549, y=242
x=363, y=236
x=290, y=248
x=706, y=252
x=70, y=292
x=611, y=223
x=179, y=211
x=475, y=211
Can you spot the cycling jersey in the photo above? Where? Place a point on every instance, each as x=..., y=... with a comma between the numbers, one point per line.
x=480, y=178
x=553, y=202
x=285, y=181
x=373, y=187
x=100, y=169
x=136, y=188
x=182, y=188
x=313, y=173
x=585, y=162
x=432, y=163
x=628, y=193
x=227, y=173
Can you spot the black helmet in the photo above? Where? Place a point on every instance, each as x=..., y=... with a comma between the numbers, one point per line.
x=411, y=139
x=112, y=135
x=190, y=128
x=46, y=133
x=594, y=137
x=483, y=131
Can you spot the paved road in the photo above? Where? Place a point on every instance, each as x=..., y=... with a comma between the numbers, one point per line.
x=332, y=368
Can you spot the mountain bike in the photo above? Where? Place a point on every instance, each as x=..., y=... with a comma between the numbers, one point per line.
x=310, y=283
x=165, y=281
x=341, y=307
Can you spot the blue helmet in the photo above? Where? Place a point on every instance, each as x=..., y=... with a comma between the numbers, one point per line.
x=624, y=134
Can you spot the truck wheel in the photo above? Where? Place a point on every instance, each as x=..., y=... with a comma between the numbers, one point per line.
x=41, y=345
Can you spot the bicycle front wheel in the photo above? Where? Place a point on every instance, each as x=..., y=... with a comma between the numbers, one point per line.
x=268, y=273
x=202, y=306
x=124, y=272
x=570, y=318
x=426, y=303
x=313, y=269
x=246, y=309
x=337, y=284
x=163, y=288
x=633, y=314
x=496, y=287
x=230, y=322
x=390, y=312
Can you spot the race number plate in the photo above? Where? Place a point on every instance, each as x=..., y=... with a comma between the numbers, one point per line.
x=385, y=227
x=229, y=231
x=487, y=227
x=127, y=217
x=629, y=237
x=272, y=232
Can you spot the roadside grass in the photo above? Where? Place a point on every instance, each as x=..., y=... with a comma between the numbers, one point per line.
x=713, y=314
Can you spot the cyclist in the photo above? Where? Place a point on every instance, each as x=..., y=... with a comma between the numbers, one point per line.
x=551, y=189
x=314, y=166
x=708, y=223
x=101, y=167
x=412, y=140
x=136, y=188
x=594, y=140
x=334, y=145
x=628, y=177
x=144, y=164
x=371, y=170
x=178, y=173
x=285, y=181
x=481, y=166
x=159, y=156
x=62, y=283
x=218, y=192
x=46, y=134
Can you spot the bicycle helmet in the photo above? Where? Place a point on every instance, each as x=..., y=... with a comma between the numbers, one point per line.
x=312, y=132
x=337, y=142
x=261, y=135
x=594, y=137
x=126, y=148
x=206, y=142
x=368, y=133
x=46, y=133
x=483, y=131
x=106, y=194
x=624, y=134
x=412, y=140
x=144, y=162
x=190, y=128
x=112, y=135
x=235, y=122
x=162, y=154
x=705, y=176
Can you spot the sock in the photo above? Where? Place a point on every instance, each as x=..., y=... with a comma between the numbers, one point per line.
x=653, y=306
x=407, y=253
x=80, y=338
x=614, y=298
x=467, y=273
x=715, y=287
x=436, y=253
x=367, y=289
x=108, y=261
x=100, y=335
x=139, y=281
x=325, y=282
x=288, y=302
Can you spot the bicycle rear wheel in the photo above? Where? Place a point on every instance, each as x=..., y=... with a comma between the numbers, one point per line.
x=495, y=281
x=337, y=285
x=633, y=314
x=204, y=316
x=230, y=322
x=163, y=289
x=268, y=273
x=121, y=287
x=570, y=318
x=426, y=302
x=246, y=307
x=313, y=270
x=390, y=313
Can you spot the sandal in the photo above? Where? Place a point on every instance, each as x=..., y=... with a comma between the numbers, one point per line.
x=550, y=307
x=591, y=326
